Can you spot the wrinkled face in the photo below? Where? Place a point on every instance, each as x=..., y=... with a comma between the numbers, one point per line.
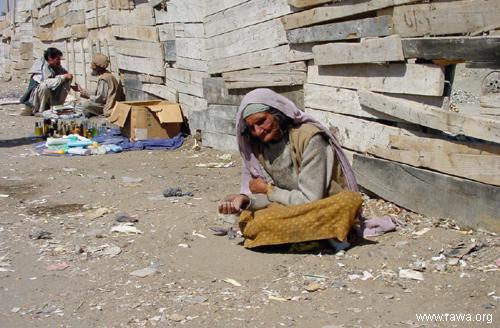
x=54, y=61
x=264, y=126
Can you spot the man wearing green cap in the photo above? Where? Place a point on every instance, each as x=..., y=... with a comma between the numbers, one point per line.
x=108, y=90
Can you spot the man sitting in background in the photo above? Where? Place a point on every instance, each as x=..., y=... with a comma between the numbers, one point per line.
x=108, y=91
x=49, y=84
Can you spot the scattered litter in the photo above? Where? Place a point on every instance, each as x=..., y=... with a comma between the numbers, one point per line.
x=176, y=317
x=441, y=267
x=176, y=192
x=5, y=270
x=355, y=310
x=232, y=282
x=4, y=196
x=69, y=169
x=225, y=157
x=453, y=261
x=366, y=275
x=277, y=298
x=151, y=269
x=97, y=213
x=421, y=232
x=411, y=274
x=125, y=217
x=193, y=299
x=183, y=245
x=58, y=266
x=228, y=218
x=40, y=234
x=132, y=180
x=15, y=309
x=497, y=262
x=215, y=165
x=104, y=250
x=461, y=250
x=438, y=258
x=219, y=231
x=198, y=234
x=312, y=287
x=314, y=277
x=126, y=228
x=48, y=309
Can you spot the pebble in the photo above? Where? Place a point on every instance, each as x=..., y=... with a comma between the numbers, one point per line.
x=312, y=287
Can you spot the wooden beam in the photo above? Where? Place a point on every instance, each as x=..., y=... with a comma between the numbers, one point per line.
x=275, y=55
x=336, y=11
x=139, y=16
x=245, y=14
x=307, y=3
x=482, y=168
x=143, y=33
x=161, y=91
x=138, y=48
x=433, y=194
x=367, y=51
x=153, y=66
x=436, y=118
x=267, y=76
x=416, y=79
x=354, y=29
x=246, y=40
x=464, y=49
x=339, y=100
x=442, y=18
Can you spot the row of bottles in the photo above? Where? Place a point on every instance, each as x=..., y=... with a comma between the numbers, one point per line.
x=59, y=128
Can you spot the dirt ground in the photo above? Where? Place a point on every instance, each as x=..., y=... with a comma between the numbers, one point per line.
x=81, y=277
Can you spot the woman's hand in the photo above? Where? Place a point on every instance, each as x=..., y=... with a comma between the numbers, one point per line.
x=233, y=204
x=258, y=186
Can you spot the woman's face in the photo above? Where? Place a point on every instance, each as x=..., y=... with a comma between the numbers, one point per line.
x=264, y=126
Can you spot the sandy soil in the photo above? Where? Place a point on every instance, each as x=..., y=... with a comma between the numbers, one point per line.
x=192, y=285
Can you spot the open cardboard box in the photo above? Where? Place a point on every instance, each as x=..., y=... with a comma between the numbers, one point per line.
x=152, y=119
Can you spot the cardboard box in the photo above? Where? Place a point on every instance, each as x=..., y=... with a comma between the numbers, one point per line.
x=152, y=119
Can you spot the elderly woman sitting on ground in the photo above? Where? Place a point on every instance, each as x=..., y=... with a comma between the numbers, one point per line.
x=297, y=185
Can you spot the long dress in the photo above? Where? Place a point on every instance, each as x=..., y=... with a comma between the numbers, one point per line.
x=307, y=200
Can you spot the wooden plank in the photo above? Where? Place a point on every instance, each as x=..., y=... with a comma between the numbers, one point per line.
x=143, y=15
x=161, y=91
x=275, y=55
x=137, y=48
x=220, y=5
x=338, y=100
x=245, y=14
x=166, y=32
x=153, y=66
x=185, y=81
x=189, y=30
x=307, y=3
x=417, y=79
x=193, y=48
x=217, y=118
x=443, y=18
x=267, y=76
x=336, y=11
x=482, y=168
x=480, y=49
x=215, y=92
x=436, y=118
x=182, y=11
x=444, y=146
x=358, y=134
x=191, y=64
x=245, y=41
x=219, y=141
x=120, y=4
x=143, y=33
x=354, y=29
x=433, y=194
x=367, y=51
x=190, y=104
